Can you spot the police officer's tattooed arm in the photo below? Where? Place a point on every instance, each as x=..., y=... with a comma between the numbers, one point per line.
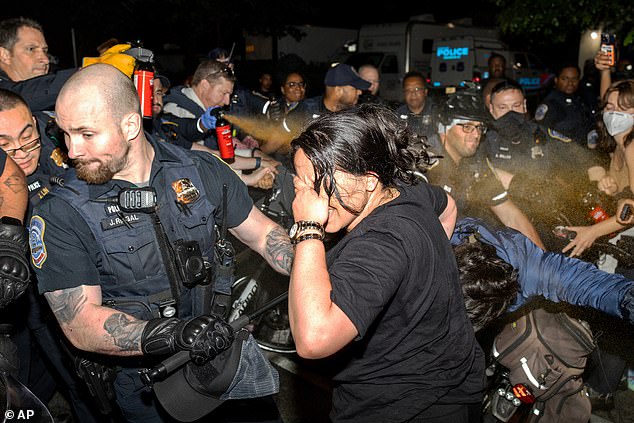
x=268, y=239
x=13, y=192
x=92, y=327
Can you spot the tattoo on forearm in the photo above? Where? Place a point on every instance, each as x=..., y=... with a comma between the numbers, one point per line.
x=16, y=182
x=125, y=333
x=279, y=249
x=66, y=304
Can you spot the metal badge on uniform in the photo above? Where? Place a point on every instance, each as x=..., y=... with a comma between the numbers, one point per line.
x=426, y=120
x=60, y=158
x=186, y=192
x=541, y=111
x=36, y=241
x=537, y=152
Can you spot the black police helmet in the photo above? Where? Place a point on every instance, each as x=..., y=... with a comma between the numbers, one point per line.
x=466, y=105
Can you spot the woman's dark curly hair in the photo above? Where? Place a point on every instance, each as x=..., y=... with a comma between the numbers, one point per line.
x=366, y=139
x=625, y=90
x=489, y=284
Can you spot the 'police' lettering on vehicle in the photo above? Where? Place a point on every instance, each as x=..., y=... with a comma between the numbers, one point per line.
x=448, y=53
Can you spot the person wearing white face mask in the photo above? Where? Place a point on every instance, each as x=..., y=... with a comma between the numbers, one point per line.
x=616, y=137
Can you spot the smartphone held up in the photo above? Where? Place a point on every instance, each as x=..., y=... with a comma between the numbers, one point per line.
x=608, y=46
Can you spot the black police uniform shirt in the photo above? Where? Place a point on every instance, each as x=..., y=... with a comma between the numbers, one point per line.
x=472, y=183
x=566, y=114
x=40, y=93
x=306, y=111
x=65, y=253
x=395, y=277
x=423, y=123
x=53, y=162
x=522, y=146
x=176, y=130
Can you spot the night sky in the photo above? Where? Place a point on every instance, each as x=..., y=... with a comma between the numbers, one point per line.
x=198, y=26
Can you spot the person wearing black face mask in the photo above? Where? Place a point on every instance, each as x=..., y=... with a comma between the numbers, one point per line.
x=518, y=142
x=547, y=165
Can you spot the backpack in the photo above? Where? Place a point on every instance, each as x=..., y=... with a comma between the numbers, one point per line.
x=547, y=352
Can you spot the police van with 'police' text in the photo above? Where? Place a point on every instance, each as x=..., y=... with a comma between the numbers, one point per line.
x=457, y=61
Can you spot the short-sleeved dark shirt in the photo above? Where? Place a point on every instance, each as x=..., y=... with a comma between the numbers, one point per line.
x=567, y=114
x=395, y=276
x=472, y=183
x=73, y=256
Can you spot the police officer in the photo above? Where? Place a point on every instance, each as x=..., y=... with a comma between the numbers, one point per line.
x=14, y=270
x=211, y=88
x=24, y=63
x=25, y=138
x=119, y=249
x=418, y=109
x=517, y=141
x=480, y=190
x=565, y=111
x=343, y=86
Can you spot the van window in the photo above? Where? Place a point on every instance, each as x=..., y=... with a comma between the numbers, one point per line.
x=534, y=62
x=460, y=67
x=390, y=64
x=520, y=60
x=428, y=45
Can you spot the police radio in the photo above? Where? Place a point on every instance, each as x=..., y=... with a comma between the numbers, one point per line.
x=137, y=200
x=129, y=200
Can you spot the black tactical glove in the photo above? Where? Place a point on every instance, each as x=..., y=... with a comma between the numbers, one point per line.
x=14, y=267
x=275, y=111
x=204, y=337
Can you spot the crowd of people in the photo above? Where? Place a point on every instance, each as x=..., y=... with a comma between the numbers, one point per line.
x=125, y=214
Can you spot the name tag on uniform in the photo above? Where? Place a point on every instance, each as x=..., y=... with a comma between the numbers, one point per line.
x=116, y=221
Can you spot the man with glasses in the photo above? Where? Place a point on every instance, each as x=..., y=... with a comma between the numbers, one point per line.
x=565, y=111
x=418, y=109
x=23, y=138
x=480, y=190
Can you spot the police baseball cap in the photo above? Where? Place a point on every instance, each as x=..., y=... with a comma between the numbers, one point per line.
x=341, y=75
x=238, y=373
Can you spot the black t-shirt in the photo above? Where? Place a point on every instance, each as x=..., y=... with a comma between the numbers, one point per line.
x=395, y=277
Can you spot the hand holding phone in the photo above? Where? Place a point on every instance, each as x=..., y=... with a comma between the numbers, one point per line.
x=608, y=46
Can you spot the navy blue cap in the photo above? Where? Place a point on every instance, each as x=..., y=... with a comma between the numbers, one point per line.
x=341, y=75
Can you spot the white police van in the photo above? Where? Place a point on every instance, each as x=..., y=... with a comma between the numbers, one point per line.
x=457, y=61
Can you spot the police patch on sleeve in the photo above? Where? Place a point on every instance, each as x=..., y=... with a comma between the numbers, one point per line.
x=558, y=136
x=36, y=241
x=541, y=111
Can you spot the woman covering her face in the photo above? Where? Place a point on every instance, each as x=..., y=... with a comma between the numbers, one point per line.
x=386, y=294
